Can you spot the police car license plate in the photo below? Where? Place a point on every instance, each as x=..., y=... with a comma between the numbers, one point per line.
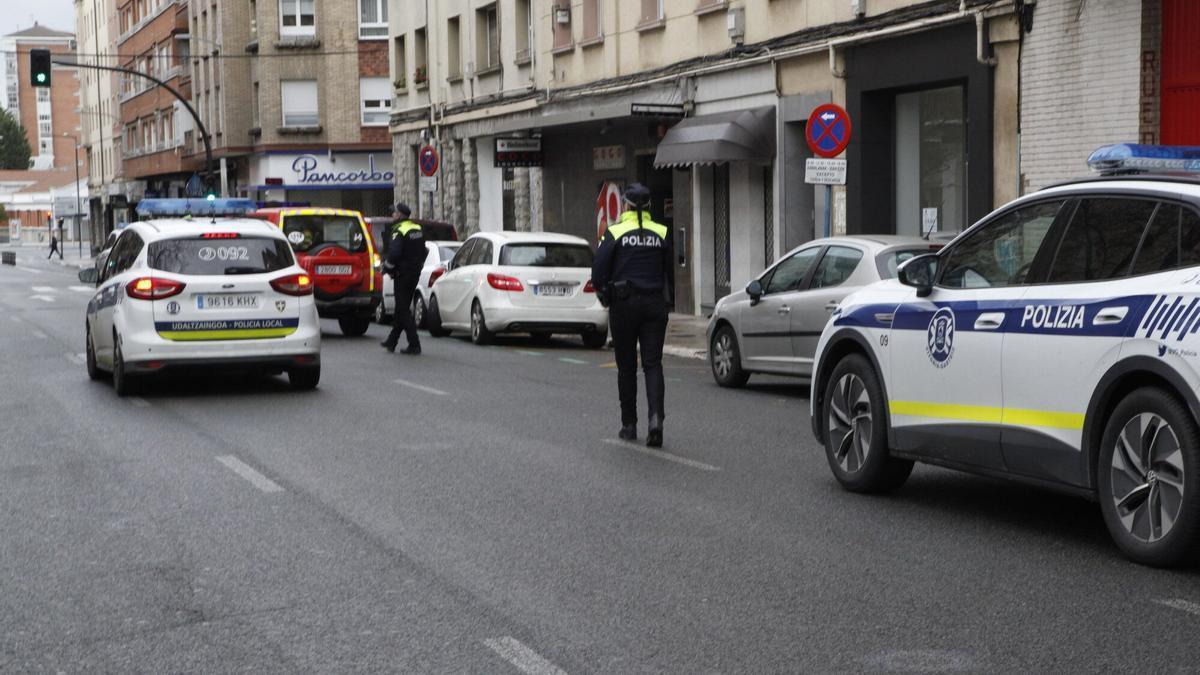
x=227, y=301
x=552, y=290
x=333, y=269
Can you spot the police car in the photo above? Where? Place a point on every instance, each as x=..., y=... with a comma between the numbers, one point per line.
x=193, y=287
x=1055, y=342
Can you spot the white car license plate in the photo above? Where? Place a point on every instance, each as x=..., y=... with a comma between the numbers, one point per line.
x=333, y=269
x=227, y=301
x=553, y=290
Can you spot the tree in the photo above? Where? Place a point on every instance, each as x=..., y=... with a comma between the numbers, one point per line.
x=14, y=144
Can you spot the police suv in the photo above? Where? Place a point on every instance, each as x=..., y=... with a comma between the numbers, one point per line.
x=1055, y=342
x=201, y=290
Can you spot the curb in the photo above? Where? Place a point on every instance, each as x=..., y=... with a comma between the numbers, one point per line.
x=685, y=352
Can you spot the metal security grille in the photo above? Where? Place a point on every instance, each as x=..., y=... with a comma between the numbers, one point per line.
x=721, y=229
x=768, y=215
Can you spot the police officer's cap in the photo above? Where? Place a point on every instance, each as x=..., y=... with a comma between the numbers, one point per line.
x=403, y=209
x=637, y=194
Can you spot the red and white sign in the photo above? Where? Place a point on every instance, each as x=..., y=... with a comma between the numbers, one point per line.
x=428, y=160
x=608, y=207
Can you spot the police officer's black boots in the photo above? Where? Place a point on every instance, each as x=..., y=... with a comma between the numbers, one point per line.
x=411, y=349
x=654, y=435
x=628, y=432
x=390, y=346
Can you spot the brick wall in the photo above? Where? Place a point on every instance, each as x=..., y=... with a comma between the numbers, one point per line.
x=1080, y=80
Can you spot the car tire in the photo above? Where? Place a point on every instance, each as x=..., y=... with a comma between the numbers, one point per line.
x=354, y=326
x=595, y=339
x=93, y=370
x=435, y=319
x=381, y=316
x=480, y=334
x=725, y=359
x=419, y=312
x=124, y=384
x=1149, y=471
x=304, y=378
x=856, y=430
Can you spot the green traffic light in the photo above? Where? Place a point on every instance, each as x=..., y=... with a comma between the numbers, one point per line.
x=41, y=77
x=212, y=197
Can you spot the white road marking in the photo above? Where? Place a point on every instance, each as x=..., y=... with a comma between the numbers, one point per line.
x=528, y=352
x=421, y=387
x=1181, y=605
x=567, y=359
x=38, y=334
x=29, y=269
x=43, y=298
x=44, y=289
x=525, y=659
x=245, y=471
x=662, y=455
x=138, y=401
x=77, y=359
x=83, y=289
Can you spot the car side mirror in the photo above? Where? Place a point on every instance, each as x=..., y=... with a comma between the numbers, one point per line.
x=89, y=276
x=755, y=290
x=919, y=272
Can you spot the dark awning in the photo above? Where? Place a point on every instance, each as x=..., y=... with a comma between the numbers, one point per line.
x=739, y=136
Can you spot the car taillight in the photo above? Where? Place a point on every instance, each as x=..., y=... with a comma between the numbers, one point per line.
x=588, y=287
x=220, y=235
x=153, y=288
x=436, y=274
x=503, y=283
x=293, y=284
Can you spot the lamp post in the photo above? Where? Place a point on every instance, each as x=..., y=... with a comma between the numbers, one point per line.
x=78, y=199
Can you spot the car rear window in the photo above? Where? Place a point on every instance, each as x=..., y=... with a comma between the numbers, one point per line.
x=197, y=256
x=305, y=233
x=546, y=255
x=888, y=261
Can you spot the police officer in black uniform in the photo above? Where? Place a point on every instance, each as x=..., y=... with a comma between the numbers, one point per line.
x=405, y=258
x=635, y=279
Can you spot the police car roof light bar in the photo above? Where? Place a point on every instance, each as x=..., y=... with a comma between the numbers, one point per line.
x=1124, y=158
x=177, y=208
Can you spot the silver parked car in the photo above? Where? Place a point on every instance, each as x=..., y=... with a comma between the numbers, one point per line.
x=773, y=325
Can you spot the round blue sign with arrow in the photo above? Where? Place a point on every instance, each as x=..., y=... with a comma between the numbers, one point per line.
x=828, y=130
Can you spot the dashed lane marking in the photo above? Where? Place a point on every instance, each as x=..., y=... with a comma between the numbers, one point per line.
x=29, y=269
x=567, y=359
x=662, y=455
x=44, y=289
x=38, y=334
x=246, y=471
x=43, y=298
x=525, y=659
x=138, y=401
x=421, y=387
x=83, y=289
x=608, y=365
x=528, y=352
x=1181, y=605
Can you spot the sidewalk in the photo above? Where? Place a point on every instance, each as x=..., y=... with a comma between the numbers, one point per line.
x=686, y=336
x=37, y=252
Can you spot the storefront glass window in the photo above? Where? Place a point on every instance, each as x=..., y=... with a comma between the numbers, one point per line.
x=931, y=152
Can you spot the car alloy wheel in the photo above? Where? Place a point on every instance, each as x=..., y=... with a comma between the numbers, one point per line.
x=418, y=312
x=722, y=355
x=480, y=334
x=850, y=423
x=1147, y=477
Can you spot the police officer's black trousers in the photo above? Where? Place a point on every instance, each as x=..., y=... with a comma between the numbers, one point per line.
x=406, y=288
x=639, y=320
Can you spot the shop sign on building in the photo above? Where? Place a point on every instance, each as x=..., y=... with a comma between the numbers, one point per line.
x=517, y=152
x=608, y=157
x=310, y=170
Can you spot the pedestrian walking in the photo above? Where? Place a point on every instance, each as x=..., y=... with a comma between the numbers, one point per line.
x=634, y=277
x=54, y=247
x=405, y=258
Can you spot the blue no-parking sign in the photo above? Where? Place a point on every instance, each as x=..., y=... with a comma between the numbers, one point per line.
x=828, y=130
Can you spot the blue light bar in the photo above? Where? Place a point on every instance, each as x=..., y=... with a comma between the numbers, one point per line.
x=167, y=208
x=1134, y=158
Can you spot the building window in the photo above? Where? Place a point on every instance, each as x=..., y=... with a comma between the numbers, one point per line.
x=652, y=11
x=254, y=120
x=591, y=20
x=299, y=103
x=400, y=63
x=453, y=49
x=43, y=94
x=420, y=58
x=253, y=20
x=372, y=19
x=931, y=153
x=524, y=30
x=297, y=17
x=376, y=100
x=560, y=18
x=487, y=38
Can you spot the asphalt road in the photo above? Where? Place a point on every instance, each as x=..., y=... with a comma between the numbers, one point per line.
x=470, y=510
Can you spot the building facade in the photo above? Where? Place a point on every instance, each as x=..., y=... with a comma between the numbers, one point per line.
x=705, y=102
x=100, y=121
x=296, y=97
x=50, y=115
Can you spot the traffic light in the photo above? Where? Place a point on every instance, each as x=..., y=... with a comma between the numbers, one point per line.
x=39, y=67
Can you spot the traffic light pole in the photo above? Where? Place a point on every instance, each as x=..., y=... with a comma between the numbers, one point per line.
x=208, y=156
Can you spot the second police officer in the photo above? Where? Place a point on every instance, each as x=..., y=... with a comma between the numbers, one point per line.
x=405, y=258
x=634, y=277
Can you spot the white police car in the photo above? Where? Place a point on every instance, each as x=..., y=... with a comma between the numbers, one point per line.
x=1056, y=342
x=203, y=290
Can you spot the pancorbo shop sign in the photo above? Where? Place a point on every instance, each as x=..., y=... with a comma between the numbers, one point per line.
x=341, y=170
x=308, y=169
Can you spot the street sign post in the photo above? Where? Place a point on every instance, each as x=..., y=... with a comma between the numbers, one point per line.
x=827, y=133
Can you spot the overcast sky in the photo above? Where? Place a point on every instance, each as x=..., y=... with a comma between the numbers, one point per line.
x=57, y=14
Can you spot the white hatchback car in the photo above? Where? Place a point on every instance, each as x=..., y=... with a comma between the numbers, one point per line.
x=225, y=292
x=439, y=253
x=522, y=282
